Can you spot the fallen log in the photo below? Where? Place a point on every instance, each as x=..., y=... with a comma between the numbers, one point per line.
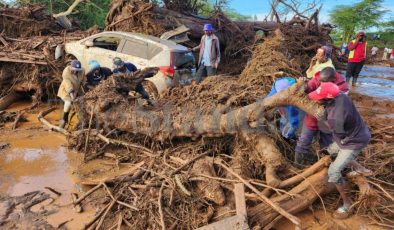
x=9, y=99
x=324, y=162
x=305, y=194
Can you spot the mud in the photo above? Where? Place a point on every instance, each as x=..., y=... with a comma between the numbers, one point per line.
x=320, y=220
x=33, y=160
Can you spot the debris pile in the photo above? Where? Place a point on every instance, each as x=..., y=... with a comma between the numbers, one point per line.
x=174, y=164
x=27, y=58
x=185, y=153
x=27, y=21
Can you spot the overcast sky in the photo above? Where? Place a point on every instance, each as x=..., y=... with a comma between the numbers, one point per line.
x=262, y=7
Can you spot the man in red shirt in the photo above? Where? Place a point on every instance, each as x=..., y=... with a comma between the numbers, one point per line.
x=357, y=56
x=311, y=127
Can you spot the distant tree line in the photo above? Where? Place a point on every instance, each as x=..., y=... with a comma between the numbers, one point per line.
x=363, y=15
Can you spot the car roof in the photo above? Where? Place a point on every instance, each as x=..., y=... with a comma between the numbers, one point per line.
x=151, y=39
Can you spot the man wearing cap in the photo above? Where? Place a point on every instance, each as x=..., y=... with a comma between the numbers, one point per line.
x=311, y=128
x=121, y=67
x=350, y=136
x=209, y=57
x=321, y=60
x=288, y=115
x=97, y=73
x=357, y=56
x=71, y=87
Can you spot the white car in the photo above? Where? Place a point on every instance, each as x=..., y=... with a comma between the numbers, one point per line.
x=176, y=62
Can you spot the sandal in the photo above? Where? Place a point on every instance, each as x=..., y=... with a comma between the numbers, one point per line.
x=341, y=213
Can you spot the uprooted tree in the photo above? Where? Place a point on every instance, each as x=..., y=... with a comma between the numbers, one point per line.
x=197, y=137
x=187, y=150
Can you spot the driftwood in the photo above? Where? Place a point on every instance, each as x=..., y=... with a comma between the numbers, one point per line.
x=79, y=200
x=266, y=201
x=305, y=194
x=41, y=118
x=18, y=118
x=110, y=177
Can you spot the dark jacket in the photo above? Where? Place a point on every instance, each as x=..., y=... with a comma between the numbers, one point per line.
x=349, y=129
x=95, y=80
x=129, y=68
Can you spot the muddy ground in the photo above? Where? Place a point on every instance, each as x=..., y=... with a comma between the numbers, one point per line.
x=34, y=161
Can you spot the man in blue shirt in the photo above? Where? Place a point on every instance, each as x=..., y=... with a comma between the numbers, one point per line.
x=121, y=67
x=289, y=120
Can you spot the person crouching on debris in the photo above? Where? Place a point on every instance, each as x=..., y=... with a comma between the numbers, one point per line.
x=357, y=56
x=71, y=86
x=319, y=61
x=97, y=73
x=311, y=128
x=288, y=115
x=121, y=67
x=350, y=136
x=209, y=57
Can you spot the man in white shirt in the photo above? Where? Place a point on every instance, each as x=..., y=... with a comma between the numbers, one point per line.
x=209, y=57
x=374, y=51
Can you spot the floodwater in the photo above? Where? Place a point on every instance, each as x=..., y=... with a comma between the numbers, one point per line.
x=376, y=81
x=36, y=159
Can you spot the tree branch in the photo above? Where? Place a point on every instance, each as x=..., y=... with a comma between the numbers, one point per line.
x=69, y=10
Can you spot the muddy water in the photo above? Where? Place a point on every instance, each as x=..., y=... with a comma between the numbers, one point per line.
x=36, y=159
x=376, y=81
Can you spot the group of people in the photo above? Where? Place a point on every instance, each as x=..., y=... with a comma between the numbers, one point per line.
x=388, y=54
x=75, y=81
x=343, y=133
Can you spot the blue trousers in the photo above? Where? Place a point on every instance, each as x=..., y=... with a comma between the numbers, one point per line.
x=306, y=138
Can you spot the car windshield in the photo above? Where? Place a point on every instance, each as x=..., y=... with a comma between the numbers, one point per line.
x=183, y=59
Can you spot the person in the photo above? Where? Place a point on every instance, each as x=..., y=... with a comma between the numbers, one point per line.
x=343, y=48
x=71, y=87
x=374, y=52
x=319, y=61
x=97, y=73
x=209, y=57
x=357, y=56
x=121, y=67
x=385, y=53
x=289, y=120
x=392, y=54
x=311, y=128
x=350, y=136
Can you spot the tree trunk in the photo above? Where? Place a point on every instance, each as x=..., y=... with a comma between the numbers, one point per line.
x=9, y=99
